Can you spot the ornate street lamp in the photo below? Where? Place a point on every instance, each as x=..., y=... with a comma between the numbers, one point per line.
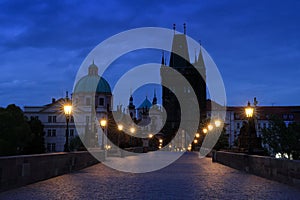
x=249, y=114
x=103, y=124
x=249, y=111
x=67, y=112
x=120, y=128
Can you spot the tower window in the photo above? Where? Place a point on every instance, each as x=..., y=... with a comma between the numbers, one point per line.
x=101, y=101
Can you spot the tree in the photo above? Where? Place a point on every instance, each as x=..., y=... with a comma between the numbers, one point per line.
x=76, y=144
x=15, y=132
x=37, y=143
x=282, y=139
x=222, y=142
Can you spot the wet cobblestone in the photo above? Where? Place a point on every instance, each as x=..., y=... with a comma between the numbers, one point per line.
x=187, y=178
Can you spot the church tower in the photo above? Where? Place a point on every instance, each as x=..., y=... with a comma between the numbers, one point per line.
x=180, y=61
x=131, y=108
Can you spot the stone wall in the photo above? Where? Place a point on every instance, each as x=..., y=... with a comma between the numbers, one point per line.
x=17, y=171
x=286, y=171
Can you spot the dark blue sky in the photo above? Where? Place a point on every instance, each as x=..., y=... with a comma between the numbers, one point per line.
x=255, y=44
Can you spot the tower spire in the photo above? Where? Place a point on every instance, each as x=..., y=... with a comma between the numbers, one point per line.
x=163, y=58
x=184, y=29
x=154, y=101
x=174, y=27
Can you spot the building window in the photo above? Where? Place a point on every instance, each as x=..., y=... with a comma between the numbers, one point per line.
x=54, y=119
x=48, y=132
x=71, y=132
x=291, y=117
x=72, y=119
x=101, y=101
x=238, y=125
x=53, y=147
x=88, y=101
x=87, y=119
x=48, y=147
x=265, y=125
x=53, y=132
x=284, y=116
x=49, y=119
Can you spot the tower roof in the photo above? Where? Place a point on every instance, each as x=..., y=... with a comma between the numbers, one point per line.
x=200, y=61
x=92, y=82
x=180, y=54
x=146, y=104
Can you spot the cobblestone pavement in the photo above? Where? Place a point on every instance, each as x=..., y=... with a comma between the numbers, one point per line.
x=188, y=178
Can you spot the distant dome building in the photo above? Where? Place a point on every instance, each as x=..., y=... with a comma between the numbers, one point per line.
x=93, y=90
x=92, y=98
x=92, y=83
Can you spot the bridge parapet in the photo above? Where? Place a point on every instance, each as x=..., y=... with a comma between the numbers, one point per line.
x=282, y=170
x=16, y=171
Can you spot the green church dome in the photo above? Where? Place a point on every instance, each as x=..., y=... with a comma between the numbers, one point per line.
x=92, y=82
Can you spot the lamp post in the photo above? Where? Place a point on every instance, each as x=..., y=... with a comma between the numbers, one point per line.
x=120, y=128
x=68, y=112
x=249, y=114
x=103, y=124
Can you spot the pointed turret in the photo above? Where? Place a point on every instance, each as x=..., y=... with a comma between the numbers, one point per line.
x=131, y=108
x=154, y=101
x=163, y=58
x=200, y=61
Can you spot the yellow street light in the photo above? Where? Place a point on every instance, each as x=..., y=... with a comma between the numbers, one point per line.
x=205, y=130
x=217, y=123
x=67, y=109
x=210, y=127
x=132, y=130
x=103, y=122
x=195, y=141
x=120, y=127
x=160, y=140
x=249, y=111
x=197, y=135
x=150, y=135
x=68, y=112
